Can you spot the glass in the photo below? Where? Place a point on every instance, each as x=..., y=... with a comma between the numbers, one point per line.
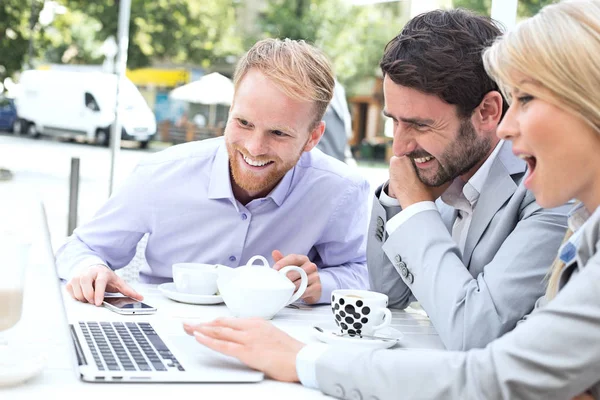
x=14, y=257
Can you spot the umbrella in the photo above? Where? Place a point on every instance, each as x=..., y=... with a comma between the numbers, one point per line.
x=211, y=89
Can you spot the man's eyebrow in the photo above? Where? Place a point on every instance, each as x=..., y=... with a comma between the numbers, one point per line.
x=414, y=120
x=283, y=128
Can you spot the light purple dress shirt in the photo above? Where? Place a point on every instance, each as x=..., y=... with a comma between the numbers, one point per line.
x=182, y=198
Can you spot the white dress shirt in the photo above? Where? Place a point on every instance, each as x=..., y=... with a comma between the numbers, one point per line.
x=182, y=198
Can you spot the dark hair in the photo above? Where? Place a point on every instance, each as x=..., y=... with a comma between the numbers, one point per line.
x=440, y=53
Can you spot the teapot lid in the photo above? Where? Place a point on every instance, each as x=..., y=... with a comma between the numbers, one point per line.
x=261, y=276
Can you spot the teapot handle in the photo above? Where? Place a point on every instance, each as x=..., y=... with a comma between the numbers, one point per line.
x=260, y=258
x=303, y=285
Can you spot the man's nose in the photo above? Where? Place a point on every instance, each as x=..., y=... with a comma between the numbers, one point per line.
x=256, y=144
x=403, y=143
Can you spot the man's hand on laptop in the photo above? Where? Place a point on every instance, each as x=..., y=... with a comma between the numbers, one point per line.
x=92, y=283
x=314, y=288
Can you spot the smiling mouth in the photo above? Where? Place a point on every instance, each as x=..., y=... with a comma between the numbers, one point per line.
x=423, y=160
x=255, y=163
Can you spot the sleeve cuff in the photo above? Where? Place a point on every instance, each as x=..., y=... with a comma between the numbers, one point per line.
x=328, y=285
x=396, y=221
x=85, y=264
x=386, y=200
x=306, y=364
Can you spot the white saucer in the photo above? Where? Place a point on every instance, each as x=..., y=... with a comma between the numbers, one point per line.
x=328, y=336
x=169, y=290
x=18, y=365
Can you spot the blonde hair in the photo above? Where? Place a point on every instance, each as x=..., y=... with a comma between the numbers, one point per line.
x=300, y=70
x=558, y=52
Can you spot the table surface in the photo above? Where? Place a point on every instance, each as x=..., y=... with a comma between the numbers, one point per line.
x=43, y=328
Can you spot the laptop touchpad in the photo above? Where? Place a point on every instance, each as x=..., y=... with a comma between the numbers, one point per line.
x=193, y=355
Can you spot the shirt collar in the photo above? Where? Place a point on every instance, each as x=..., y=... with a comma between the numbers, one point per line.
x=219, y=186
x=471, y=189
x=478, y=179
x=577, y=219
x=280, y=192
x=220, y=180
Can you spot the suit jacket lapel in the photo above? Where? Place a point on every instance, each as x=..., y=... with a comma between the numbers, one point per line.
x=499, y=186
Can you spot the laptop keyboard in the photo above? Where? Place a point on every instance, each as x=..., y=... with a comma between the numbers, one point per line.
x=128, y=346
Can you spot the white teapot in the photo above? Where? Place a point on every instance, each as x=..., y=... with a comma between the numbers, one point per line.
x=258, y=290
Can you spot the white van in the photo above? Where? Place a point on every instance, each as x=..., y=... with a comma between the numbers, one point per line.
x=72, y=103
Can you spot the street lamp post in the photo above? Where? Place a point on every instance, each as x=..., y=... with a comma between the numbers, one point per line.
x=32, y=22
x=123, y=37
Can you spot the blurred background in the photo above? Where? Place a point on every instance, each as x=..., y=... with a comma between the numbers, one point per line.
x=58, y=60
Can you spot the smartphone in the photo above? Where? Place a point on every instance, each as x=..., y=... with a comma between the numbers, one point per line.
x=127, y=306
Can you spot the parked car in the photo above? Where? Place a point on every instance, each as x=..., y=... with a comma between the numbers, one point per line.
x=72, y=103
x=8, y=114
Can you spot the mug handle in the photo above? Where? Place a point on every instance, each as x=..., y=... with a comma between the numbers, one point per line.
x=387, y=320
x=260, y=258
x=303, y=285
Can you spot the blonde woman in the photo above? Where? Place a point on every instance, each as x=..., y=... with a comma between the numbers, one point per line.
x=550, y=68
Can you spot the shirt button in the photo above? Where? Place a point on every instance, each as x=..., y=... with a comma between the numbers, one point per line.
x=244, y=216
x=232, y=258
x=404, y=271
x=355, y=395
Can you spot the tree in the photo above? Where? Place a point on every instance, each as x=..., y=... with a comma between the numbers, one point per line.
x=352, y=37
x=15, y=16
x=528, y=8
x=525, y=8
x=198, y=31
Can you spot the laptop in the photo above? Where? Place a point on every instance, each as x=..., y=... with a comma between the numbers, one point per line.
x=135, y=350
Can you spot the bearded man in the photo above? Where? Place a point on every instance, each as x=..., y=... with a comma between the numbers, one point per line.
x=455, y=227
x=262, y=189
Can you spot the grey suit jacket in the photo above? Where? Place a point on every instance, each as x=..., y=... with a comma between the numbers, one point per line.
x=554, y=354
x=338, y=126
x=474, y=297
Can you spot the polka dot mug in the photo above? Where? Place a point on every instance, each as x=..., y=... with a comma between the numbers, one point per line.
x=360, y=312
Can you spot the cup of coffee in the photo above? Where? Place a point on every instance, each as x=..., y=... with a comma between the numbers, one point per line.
x=360, y=312
x=195, y=278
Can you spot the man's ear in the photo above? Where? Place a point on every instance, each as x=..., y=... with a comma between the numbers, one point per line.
x=315, y=136
x=488, y=113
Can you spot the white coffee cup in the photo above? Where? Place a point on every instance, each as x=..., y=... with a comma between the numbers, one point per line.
x=195, y=278
x=360, y=312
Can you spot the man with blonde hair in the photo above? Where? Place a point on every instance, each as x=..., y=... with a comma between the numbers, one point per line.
x=224, y=200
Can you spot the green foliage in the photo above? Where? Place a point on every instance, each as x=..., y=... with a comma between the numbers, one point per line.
x=209, y=32
x=353, y=37
x=528, y=8
x=480, y=6
x=14, y=33
x=525, y=8
x=197, y=31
